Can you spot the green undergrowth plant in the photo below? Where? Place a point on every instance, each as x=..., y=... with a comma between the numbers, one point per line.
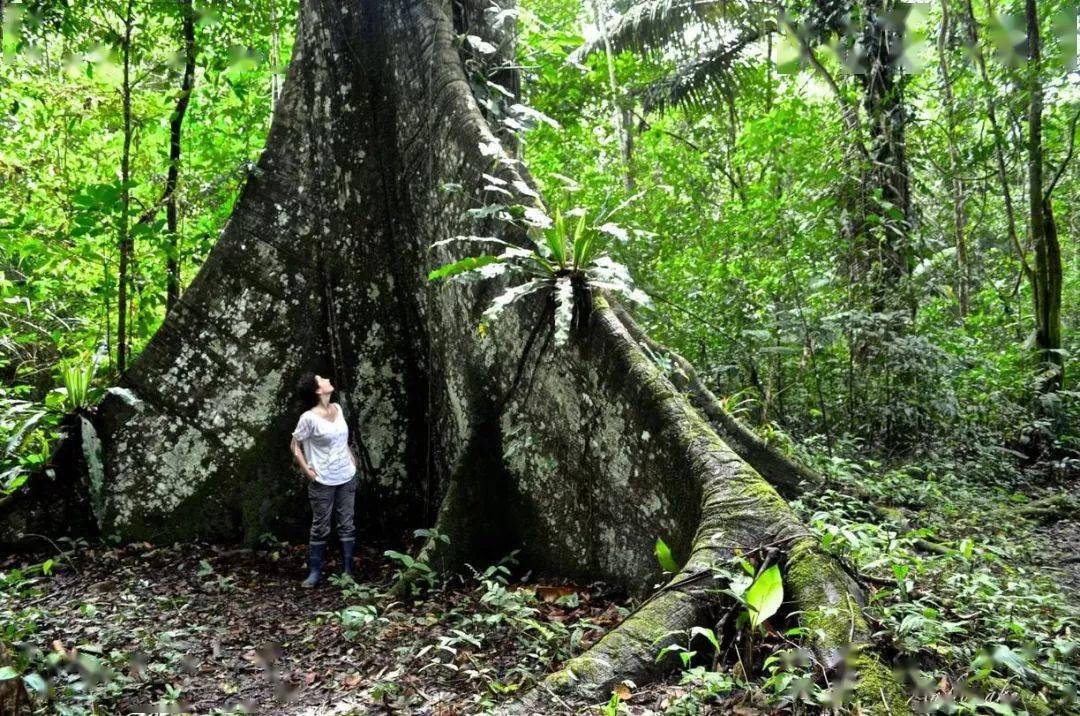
x=28, y=431
x=30, y=428
x=953, y=598
x=76, y=379
x=952, y=570
x=415, y=572
x=18, y=625
x=748, y=655
x=495, y=613
x=569, y=257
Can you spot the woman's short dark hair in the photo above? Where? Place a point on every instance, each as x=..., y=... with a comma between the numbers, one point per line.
x=305, y=391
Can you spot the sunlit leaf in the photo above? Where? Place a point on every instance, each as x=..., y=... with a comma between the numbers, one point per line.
x=765, y=595
x=664, y=556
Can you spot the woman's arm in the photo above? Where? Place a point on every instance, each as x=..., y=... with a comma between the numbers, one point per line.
x=294, y=445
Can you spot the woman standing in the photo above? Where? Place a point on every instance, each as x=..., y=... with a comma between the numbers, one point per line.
x=330, y=466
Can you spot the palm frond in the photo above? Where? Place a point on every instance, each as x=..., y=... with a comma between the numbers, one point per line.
x=651, y=26
x=702, y=78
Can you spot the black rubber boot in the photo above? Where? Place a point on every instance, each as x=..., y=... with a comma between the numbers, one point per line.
x=347, y=547
x=316, y=552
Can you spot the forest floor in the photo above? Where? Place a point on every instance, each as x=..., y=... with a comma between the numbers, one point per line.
x=204, y=629
x=985, y=593
x=1060, y=556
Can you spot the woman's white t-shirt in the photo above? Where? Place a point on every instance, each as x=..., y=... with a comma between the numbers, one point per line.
x=326, y=446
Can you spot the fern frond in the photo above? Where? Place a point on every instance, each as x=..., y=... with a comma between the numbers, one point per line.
x=470, y=239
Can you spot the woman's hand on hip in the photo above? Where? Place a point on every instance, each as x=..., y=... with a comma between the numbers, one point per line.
x=311, y=473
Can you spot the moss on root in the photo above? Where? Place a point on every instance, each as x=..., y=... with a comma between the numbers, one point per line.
x=841, y=635
x=628, y=651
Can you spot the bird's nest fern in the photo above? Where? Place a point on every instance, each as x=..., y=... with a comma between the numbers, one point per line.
x=566, y=257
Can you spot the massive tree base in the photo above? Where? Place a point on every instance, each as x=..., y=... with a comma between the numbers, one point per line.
x=581, y=456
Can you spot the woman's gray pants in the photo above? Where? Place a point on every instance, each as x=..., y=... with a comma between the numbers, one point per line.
x=338, y=499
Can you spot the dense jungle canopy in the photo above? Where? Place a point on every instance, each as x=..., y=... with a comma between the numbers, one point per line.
x=700, y=356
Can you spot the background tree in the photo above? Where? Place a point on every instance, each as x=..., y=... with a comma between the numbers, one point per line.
x=176, y=123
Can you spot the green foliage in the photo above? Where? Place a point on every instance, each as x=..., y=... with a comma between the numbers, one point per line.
x=27, y=432
x=924, y=417
x=408, y=562
x=966, y=605
x=567, y=258
x=664, y=556
x=764, y=596
x=416, y=573
x=19, y=624
x=77, y=382
x=705, y=687
x=614, y=705
x=741, y=209
x=456, y=639
x=61, y=200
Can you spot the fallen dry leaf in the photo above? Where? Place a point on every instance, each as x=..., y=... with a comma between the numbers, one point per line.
x=550, y=594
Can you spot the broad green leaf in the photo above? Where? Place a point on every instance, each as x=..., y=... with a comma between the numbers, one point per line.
x=579, y=241
x=36, y=683
x=556, y=239
x=707, y=633
x=664, y=556
x=765, y=595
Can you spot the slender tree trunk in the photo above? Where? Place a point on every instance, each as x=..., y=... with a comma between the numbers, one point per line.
x=1047, y=275
x=963, y=276
x=176, y=124
x=126, y=248
x=275, y=57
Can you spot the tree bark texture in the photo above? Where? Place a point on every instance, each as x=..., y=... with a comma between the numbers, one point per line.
x=581, y=456
x=887, y=179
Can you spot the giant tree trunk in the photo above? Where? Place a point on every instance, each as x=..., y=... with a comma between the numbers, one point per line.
x=581, y=456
